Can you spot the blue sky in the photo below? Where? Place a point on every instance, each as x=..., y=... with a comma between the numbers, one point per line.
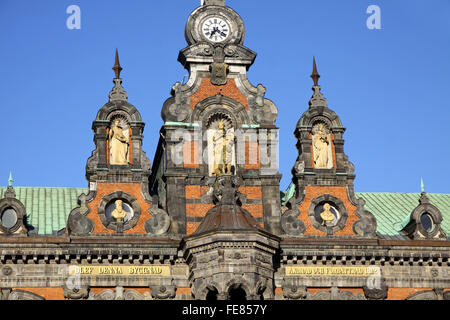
x=390, y=86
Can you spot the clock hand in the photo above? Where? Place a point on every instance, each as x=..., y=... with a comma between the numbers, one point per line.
x=213, y=32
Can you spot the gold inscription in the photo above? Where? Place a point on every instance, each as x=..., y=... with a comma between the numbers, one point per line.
x=332, y=271
x=120, y=270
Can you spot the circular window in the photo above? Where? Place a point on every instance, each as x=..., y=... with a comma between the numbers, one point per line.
x=9, y=218
x=119, y=210
x=327, y=214
x=427, y=222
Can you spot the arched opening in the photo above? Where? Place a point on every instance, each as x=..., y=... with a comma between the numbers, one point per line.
x=211, y=296
x=237, y=294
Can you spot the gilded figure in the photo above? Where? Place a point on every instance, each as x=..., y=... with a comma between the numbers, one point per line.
x=223, y=150
x=118, y=145
x=321, y=145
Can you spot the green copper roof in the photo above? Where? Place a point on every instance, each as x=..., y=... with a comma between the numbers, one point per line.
x=393, y=209
x=47, y=208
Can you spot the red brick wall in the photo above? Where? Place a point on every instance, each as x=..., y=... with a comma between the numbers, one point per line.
x=207, y=89
x=190, y=154
x=338, y=192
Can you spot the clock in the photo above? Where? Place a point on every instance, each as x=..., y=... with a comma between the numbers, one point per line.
x=216, y=29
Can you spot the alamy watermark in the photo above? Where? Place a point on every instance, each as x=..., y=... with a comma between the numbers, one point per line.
x=74, y=20
x=374, y=20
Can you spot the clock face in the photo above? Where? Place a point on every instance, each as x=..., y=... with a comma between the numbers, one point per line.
x=216, y=29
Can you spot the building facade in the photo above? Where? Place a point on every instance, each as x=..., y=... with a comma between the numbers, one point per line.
x=206, y=220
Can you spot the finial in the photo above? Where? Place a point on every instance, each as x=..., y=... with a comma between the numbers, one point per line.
x=117, y=93
x=422, y=186
x=212, y=2
x=315, y=75
x=317, y=100
x=117, y=68
x=10, y=180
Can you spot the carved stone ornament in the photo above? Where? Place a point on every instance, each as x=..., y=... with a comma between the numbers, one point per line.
x=117, y=92
x=366, y=226
x=290, y=223
x=76, y=293
x=78, y=224
x=163, y=292
x=176, y=109
x=380, y=293
x=119, y=293
x=159, y=223
x=436, y=294
x=219, y=73
x=335, y=294
x=317, y=100
x=8, y=294
x=294, y=293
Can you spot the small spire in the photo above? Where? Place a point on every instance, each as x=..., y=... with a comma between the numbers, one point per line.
x=422, y=186
x=117, y=93
x=117, y=68
x=315, y=75
x=317, y=100
x=10, y=180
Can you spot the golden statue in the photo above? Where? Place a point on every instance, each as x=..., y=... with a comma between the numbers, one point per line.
x=118, y=213
x=118, y=145
x=223, y=150
x=322, y=156
x=326, y=215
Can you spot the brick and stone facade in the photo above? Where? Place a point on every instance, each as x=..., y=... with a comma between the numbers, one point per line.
x=192, y=233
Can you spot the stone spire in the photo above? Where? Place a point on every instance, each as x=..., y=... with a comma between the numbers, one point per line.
x=117, y=93
x=317, y=100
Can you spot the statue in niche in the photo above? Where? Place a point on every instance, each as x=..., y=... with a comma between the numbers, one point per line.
x=118, y=145
x=118, y=213
x=322, y=148
x=327, y=216
x=223, y=142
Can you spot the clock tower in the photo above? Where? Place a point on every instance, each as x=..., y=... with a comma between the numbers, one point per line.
x=216, y=124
